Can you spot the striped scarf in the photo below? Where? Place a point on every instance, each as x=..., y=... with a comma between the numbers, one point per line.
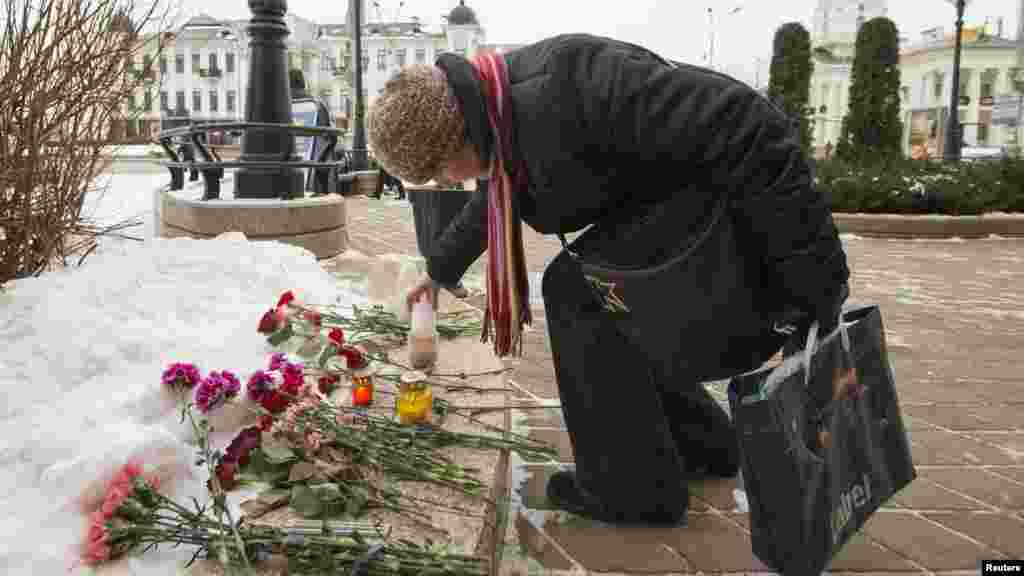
x=508, y=306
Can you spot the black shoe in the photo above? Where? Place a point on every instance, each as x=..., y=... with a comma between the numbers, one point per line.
x=563, y=493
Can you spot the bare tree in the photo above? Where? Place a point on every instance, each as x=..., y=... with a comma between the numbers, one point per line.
x=67, y=70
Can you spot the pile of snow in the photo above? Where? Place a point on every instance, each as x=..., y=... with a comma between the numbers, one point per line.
x=84, y=349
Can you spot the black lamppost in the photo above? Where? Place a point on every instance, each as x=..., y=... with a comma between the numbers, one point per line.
x=359, y=162
x=953, y=142
x=268, y=99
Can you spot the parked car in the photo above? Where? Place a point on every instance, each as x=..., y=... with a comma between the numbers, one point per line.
x=983, y=153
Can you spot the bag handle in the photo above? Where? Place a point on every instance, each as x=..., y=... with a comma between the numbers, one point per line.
x=812, y=344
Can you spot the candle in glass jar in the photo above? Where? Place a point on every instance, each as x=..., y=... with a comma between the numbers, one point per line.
x=362, y=385
x=415, y=399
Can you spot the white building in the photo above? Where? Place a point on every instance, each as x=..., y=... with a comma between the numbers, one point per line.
x=203, y=72
x=988, y=64
x=834, y=36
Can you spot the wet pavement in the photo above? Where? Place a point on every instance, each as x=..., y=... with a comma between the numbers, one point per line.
x=954, y=317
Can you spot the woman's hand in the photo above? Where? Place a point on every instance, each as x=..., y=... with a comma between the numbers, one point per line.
x=424, y=287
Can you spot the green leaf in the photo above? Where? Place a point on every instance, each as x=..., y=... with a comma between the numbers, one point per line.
x=327, y=491
x=329, y=351
x=305, y=502
x=277, y=454
x=281, y=336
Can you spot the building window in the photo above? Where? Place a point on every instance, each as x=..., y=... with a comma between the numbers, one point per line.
x=986, y=89
x=982, y=134
x=421, y=56
x=131, y=102
x=938, y=87
x=163, y=100
x=366, y=63
x=195, y=63
x=213, y=62
x=179, y=100
x=147, y=101
x=197, y=100
x=231, y=101
x=400, y=57
x=306, y=65
x=213, y=100
x=382, y=59
x=229, y=62
x=163, y=64
x=179, y=63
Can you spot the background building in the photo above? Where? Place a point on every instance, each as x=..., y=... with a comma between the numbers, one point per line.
x=989, y=63
x=203, y=73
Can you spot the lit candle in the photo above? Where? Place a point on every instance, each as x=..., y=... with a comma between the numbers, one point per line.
x=362, y=384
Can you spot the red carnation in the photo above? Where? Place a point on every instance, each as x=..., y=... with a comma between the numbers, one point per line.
x=326, y=384
x=286, y=299
x=336, y=336
x=354, y=359
x=274, y=402
x=270, y=322
x=226, y=475
x=265, y=423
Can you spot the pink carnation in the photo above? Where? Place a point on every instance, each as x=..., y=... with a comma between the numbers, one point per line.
x=277, y=360
x=181, y=375
x=215, y=390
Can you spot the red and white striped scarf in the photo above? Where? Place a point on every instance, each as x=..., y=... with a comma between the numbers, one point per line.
x=508, y=306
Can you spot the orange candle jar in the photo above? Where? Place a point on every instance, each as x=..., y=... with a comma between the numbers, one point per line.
x=415, y=399
x=362, y=384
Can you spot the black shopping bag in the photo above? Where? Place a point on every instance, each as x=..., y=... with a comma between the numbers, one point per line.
x=823, y=444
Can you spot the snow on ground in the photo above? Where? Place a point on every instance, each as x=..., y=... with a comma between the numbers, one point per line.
x=83, y=350
x=126, y=196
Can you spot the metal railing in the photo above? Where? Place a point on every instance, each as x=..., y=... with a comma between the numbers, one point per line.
x=330, y=175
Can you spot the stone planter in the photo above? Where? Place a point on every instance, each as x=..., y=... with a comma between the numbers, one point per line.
x=930, y=226
x=317, y=224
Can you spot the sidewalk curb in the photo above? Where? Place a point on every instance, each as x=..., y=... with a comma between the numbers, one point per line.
x=930, y=225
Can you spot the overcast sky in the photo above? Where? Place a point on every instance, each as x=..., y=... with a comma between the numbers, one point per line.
x=677, y=29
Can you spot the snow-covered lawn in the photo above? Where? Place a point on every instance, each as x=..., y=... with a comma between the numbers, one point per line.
x=82, y=354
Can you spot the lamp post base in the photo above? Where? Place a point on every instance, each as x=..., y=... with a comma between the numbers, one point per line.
x=268, y=183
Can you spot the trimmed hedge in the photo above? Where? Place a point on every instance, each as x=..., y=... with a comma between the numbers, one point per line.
x=923, y=187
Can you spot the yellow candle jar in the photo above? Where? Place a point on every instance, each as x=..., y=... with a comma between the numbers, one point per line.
x=415, y=399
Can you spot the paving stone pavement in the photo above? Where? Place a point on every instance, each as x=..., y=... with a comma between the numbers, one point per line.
x=954, y=318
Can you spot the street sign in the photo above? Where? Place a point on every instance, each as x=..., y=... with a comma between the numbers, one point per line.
x=1006, y=110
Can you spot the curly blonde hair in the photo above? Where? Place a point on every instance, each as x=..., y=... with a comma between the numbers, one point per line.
x=415, y=124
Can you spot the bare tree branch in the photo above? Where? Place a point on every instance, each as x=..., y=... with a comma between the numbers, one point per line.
x=67, y=70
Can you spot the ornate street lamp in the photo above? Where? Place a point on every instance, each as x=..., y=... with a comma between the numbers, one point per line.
x=268, y=99
x=953, y=141
x=359, y=161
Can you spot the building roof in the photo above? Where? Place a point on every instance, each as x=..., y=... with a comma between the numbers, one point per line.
x=948, y=44
x=203, y=21
x=462, y=15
